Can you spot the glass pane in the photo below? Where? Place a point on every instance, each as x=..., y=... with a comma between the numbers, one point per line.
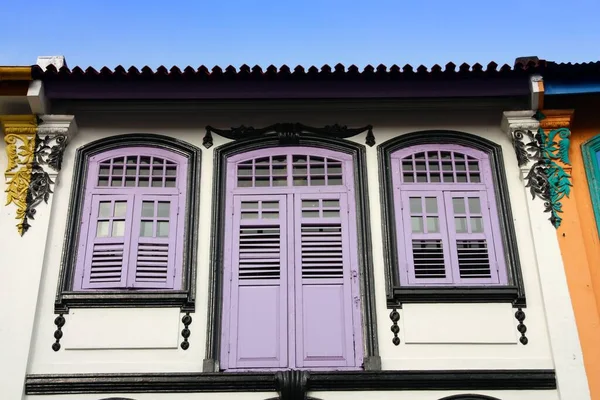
x=162, y=230
x=130, y=182
x=157, y=171
x=131, y=171
x=249, y=205
x=270, y=214
x=474, y=205
x=417, y=224
x=280, y=181
x=147, y=209
x=432, y=155
x=171, y=171
x=156, y=182
x=270, y=204
x=310, y=203
x=146, y=228
x=144, y=160
x=334, y=168
x=473, y=166
x=170, y=182
x=433, y=225
x=118, y=228
x=118, y=160
x=431, y=205
x=300, y=182
x=476, y=224
x=310, y=214
x=104, y=170
x=434, y=166
x=117, y=171
x=448, y=178
x=116, y=182
x=407, y=165
x=416, y=207
x=246, y=182
x=143, y=182
x=475, y=178
x=317, y=181
x=459, y=205
x=250, y=215
x=331, y=203
x=331, y=214
x=163, y=209
x=104, y=209
x=103, y=181
x=461, y=177
x=317, y=170
x=264, y=160
x=420, y=166
x=120, y=208
x=132, y=160
x=435, y=178
x=158, y=161
x=300, y=170
x=422, y=178
x=102, y=229
x=409, y=178
x=262, y=171
x=144, y=171
x=334, y=180
x=461, y=225
x=262, y=182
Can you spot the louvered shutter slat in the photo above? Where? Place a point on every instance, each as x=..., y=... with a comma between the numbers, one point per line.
x=324, y=319
x=258, y=331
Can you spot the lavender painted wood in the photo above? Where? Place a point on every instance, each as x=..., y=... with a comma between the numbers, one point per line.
x=323, y=287
x=258, y=319
x=322, y=308
x=447, y=172
x=151, y=261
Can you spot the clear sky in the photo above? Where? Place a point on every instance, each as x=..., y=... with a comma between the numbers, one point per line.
x=306, y=32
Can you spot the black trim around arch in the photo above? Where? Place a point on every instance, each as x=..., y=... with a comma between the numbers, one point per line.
x=185, y=297
x=514, y=292
x=358, y=153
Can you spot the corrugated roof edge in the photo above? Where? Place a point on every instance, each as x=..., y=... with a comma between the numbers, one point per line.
x=256, y=73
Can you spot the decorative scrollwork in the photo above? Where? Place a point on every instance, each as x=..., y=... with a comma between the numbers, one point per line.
x=546, y=178
x=288, y=133
x=292, y=385
x=520, y=316
x=59, y=322
x=28, y=181
x=185, y=332
x=395, y=317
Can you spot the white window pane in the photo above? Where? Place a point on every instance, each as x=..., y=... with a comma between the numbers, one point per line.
x=118, y=228
x=120, y=208
x=431, y=205
x=461, y=225
x=146, y=228
x=417, y=224
x=474, y=205
x=104, y=209
x=459, y=205
x=415, y=205
x=102, y=229
x=476, y=224
x=162, y=229
x=433, y=225
x=147, y=209
x=163, y=209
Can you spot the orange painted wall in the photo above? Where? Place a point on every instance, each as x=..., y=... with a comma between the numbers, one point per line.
x=580, y=247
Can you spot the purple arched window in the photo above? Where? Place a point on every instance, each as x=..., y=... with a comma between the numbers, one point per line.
x=446, y=222
x=131, y=233
x=290, y=265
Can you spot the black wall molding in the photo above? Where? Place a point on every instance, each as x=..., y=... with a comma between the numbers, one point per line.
x=469, y=397
x=396, y=294
x=357, y=151
x=184, y=298
x=521, y=379
x=288, y=133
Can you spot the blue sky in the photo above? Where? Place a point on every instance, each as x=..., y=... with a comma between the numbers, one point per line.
x=306, y=32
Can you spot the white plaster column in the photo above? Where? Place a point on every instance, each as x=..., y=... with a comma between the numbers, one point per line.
x=22, y=250
x=560, y=318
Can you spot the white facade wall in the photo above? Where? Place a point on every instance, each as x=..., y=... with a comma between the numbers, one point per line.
x=469, y=336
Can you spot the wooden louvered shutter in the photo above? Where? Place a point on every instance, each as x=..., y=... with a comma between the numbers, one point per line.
x=108, y=242
x=469, y=226
x=323, y=273
x=152, y=261
x=426, y=238
x=258, y=327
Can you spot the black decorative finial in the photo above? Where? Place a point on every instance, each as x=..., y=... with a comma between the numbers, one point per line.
x=395, y=317
x=185, y=332
x=520, y=316
x=59, y=322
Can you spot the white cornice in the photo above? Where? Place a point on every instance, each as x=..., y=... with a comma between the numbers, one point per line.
x=51, y=124
x=512, y=120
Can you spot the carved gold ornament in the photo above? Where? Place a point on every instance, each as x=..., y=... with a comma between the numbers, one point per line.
x=20, y=139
